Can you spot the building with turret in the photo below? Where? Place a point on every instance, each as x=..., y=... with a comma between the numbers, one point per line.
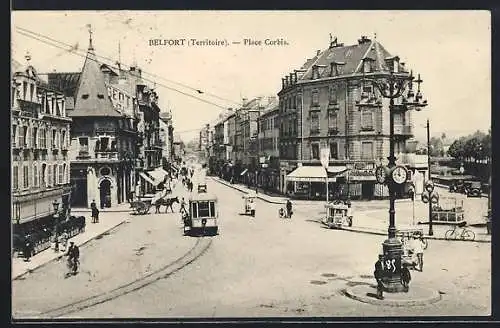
x=328, y=103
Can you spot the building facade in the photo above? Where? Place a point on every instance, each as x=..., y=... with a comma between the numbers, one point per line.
x=40, y=138
x=327, y=103
x=167, y=141
x=104, y=134
x=268, y=138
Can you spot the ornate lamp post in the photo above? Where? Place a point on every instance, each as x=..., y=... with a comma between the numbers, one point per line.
x=392, y=85
x=55, y=205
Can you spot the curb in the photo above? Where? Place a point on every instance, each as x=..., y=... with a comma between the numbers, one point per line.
x=427, y=237
x=245, y=192
x=351, y=229
x=56, y=258
x=85, y=210
x=404, y=200
x=349, y=292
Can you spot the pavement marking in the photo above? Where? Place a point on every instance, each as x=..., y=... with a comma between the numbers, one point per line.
x=201, y=246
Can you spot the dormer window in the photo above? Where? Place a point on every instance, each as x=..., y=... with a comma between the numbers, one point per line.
x=315, y=72
x=100, y=96
x=333, y=69
x=367, y=65
x=85, y=96
x=332, y=95
x=393, y=64
x=315, y=97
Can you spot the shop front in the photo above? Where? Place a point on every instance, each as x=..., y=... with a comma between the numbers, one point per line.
x=362, y=183
x=309, y=182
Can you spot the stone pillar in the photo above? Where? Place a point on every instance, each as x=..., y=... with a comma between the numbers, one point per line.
x=92, y=186
x=114, y=190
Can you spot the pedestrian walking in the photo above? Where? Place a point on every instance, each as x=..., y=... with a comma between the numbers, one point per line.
x=378, y=273
x=289, y=211
x=405, y=277
x=418, y=249
x=95, y=214
x=28, y=248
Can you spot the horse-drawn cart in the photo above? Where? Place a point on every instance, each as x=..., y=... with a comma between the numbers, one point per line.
x=142, y=205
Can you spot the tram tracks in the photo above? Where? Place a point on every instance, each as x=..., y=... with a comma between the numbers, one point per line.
x=199, y=249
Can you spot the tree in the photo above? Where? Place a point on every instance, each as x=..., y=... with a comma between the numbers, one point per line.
x=476, y=146
x=437, y=148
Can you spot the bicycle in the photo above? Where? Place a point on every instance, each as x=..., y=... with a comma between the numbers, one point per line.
x=456, y=234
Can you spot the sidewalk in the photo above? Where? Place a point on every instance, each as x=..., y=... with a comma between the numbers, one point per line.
x=282, y=200
x=123, y=207
x=364, y=223
x=92, y=230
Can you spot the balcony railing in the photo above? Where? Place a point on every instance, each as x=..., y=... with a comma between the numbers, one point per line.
x=106, y=155
x=334, y=106
x=400, y=129
x=332, y=131
x=83, y=154
x=314, y=131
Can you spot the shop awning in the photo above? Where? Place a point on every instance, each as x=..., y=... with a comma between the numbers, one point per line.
x=244, y=171
x=145, y=177
x=175, y=168
x=315, y=173
x=158, y=175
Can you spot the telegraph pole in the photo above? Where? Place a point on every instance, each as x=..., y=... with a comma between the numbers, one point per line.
x=431, y=232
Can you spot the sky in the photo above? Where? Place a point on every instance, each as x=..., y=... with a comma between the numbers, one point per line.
x=450, y=49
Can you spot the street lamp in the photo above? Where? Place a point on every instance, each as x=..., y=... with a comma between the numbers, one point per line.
x=55, y=205
x=393, y=86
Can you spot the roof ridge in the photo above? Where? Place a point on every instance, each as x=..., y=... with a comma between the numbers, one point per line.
x=361, y=61
x=318, y=56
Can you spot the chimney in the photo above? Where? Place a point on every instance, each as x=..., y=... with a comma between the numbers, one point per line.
x=283, y=85
x=139, y=72
x=291, y=79
x=363, y=40
x=318, y=52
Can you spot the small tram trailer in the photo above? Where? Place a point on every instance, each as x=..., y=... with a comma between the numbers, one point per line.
x=203, y=215
x=337, y=214
x=449, y=210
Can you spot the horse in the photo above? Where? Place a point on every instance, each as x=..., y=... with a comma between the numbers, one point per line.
x=167, y=202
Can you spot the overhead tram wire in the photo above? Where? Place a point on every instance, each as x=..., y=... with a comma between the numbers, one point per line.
x=145, y=79
x=72, y=49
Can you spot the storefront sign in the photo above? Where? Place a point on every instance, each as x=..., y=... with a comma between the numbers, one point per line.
x=362, y=175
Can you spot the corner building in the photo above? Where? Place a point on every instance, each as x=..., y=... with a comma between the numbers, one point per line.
x=328, y=104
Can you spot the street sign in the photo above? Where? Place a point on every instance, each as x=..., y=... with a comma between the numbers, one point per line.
x=429, y=186
x=434, y=197
x=425, y=196
x=325, y=157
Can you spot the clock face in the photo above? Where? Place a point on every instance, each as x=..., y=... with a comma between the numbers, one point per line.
x=380, y=174
x=399, y=175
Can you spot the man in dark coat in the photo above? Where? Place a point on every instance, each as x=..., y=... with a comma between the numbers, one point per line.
x=289, y=211
x=379, y=269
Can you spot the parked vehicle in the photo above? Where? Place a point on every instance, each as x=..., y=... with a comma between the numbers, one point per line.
x=249, y=204
x=337, y=214
x=473, y=188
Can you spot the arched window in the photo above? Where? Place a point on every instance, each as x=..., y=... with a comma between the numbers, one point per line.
x=54, y=176
x=35, y=175
x=61, y=174
x=43, y=176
